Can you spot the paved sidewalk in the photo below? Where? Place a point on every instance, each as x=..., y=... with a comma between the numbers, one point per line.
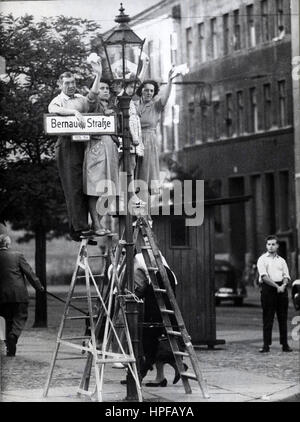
x=235, y=372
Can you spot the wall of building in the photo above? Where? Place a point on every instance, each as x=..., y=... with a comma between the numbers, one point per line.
x=241, y=139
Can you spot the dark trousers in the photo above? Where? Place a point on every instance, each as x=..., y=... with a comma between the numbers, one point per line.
x=15, y=315
x=69, y=157
x=273, y=302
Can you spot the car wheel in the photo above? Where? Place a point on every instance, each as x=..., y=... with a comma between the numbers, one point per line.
x=239, y=301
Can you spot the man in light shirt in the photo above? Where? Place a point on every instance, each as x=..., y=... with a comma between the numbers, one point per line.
x=274, y=278
x=69, y=155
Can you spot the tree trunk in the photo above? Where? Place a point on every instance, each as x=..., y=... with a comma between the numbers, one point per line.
x=40, y=268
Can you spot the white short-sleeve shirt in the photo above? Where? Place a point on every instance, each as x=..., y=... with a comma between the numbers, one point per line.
x=273, y=266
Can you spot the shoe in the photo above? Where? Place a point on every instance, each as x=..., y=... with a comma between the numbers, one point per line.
x=264, y=349
x=162, y=383
x=118, y=365
x=86, y=233
x=11, y=345
x=75, y=237
x=102, y=232
x=286, y=348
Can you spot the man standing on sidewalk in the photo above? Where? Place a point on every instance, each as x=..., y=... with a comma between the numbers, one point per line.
x=13, y=292
x=273, y=277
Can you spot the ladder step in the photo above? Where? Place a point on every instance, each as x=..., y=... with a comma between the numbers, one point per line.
x=152, y=268
x=174, y=333
x=81, y=317
x=94, y=275
x=66, y=378
x=98, y=256
x=146, y=247
x=84, y=297
x=167, y=311
x=181, y=354
x=160, y=290
x=189, y=375
x=132, y=360
x=77, y=338
x=71, y=358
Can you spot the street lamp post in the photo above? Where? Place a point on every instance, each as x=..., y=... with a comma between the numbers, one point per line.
x=123, y=49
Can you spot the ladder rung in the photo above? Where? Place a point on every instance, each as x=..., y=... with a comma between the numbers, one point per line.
x=174, y=333
x=132, y=360
x=146, y=247
x=98, y=256
x=81, y=317
x=77, y=338
x=152, y=268
x=94, y=275
x=160, y=290
x=84, y=297
x=167, y=311
x=189, y=375
x=181, y=353
x=70, y=358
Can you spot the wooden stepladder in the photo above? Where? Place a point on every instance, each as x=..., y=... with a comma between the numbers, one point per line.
x=95, y=349
x=172, y=320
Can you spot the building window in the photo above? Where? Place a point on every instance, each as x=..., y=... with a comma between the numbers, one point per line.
x=267, y=106
x=264, y=20
x=191, y=120
x=282, y=103
x=240, y=112
x=226, y=33
x=179, y=233
x=214, y=38
x=258, y=227
x=203, y=122
x=284, y=200
x=250, y=27
x=201, y=38
x=270, y=206
x=229, y=115
x=236, y=30
x=216, y=119
x=280, y=29
x=253, y=111
x=189, y=46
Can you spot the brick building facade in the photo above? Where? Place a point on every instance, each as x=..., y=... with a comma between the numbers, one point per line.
x=242, y=139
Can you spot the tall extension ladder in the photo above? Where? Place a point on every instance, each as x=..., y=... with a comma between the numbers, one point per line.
x=100, y=354
x=171, y=317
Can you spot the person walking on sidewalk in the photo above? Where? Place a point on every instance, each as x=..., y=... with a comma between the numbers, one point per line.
x=14, y=269
x=273, y=278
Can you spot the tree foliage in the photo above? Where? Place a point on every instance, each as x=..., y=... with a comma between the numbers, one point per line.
x=36, y=53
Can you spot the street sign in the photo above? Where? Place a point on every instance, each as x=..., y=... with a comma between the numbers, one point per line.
x=95, y=124
x=81, y=137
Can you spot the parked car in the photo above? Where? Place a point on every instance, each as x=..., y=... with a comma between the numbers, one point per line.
x=228, y=284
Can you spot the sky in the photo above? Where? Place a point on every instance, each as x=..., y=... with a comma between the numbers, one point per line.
x=101, y=11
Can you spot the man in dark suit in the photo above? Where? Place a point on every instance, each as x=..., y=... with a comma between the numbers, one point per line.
x=14, y=269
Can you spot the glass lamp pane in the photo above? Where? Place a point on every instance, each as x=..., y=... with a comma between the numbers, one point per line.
x=132, y=55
